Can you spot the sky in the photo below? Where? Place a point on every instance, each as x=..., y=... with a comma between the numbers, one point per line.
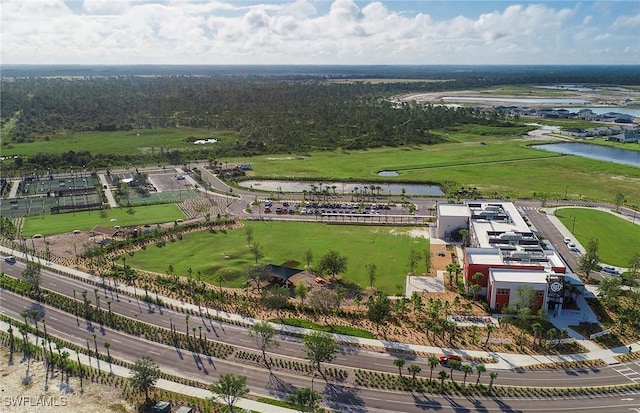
x=317, y=32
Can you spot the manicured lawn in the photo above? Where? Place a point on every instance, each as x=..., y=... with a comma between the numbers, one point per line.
x=500, y=168
x=84, y=221
x=286, y=242
x=118, y=142
x=618, y=239
x=345, y=330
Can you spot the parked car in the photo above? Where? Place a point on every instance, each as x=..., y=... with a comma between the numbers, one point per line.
x=567, y=240
x=10, y=259
x=610, y=270
x=442, y=254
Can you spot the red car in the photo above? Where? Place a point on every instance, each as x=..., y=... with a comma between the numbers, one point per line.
x=444, y=359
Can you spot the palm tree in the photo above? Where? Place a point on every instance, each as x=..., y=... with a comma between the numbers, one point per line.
x=399, y=363
x=490, y=329
x=65, y=358
x=466, y=369
x=552, y=333
x=480, y=368
x=474, y=332
x=537, y=328
x=443, y=376
x=453, y=364
x=433, y=362
x=414, y=369
x=493, y=376
x=107, y=345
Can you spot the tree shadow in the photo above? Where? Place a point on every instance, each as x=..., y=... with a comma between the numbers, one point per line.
x=343, y=399
x=278, y=387
x=422, y=402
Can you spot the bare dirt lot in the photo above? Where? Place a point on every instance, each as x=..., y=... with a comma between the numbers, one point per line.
x=599, y=97
x=19, y=397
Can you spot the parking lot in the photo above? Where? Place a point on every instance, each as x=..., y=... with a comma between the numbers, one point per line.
x=168, y=182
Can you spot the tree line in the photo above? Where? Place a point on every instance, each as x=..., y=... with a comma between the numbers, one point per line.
x=266, y=116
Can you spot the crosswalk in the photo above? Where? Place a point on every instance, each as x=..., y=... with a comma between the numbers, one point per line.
x=630, y=371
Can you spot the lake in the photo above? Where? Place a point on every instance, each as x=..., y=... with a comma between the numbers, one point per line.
x=602, y=153
x=341, y=188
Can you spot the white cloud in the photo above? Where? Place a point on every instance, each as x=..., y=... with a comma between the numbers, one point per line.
x=228, y=31
x=626, y=22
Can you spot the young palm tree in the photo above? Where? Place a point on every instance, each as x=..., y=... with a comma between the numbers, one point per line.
x=480, y=368
x=399, y=363
x=466, y=369
x=490, y=329
x=443, y=376
x=414, y=369
x=453, y=364
x=433, y=362
x=493, y=376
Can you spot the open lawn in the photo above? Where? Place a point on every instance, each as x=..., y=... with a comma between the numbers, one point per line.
x=286, y=242
x=618, y=239
x=118, y=142
x=499, y=165
x=84, y=221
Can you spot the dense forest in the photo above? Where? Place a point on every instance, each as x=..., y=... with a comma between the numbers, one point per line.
x=270, y=111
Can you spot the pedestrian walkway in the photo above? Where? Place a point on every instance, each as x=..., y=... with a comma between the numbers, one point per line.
x=14, y=189
x=117, y=370
x=107, y=191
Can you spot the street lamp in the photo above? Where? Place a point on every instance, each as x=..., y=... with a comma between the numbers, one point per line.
x=573, y=226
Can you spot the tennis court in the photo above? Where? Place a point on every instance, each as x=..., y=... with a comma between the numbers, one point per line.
x=57, y=184
x=38, y=205
x=165, y=197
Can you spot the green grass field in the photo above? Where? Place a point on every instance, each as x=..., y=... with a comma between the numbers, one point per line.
x=287, y=242
x=119, y=142
x=618, y=239
x=84, y=221
x=501, y=167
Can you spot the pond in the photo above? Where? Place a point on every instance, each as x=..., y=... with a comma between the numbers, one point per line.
x=388, y=173
x=343, y=188
x=602, y=153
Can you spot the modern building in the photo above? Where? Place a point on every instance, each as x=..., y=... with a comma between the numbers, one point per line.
x=506, y=252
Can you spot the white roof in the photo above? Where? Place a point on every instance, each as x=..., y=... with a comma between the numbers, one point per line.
x=454, y=210
x=519, y=276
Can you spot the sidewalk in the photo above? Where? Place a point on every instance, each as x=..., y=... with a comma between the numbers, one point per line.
x=506, y=361
x=163, y=384
x=107, y=191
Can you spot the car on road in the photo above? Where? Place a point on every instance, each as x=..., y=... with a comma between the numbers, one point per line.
x=610, y=270
x=444, y=359
x=10, y=259
x=567, y=240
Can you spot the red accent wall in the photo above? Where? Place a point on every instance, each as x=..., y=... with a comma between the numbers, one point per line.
x=502, y=299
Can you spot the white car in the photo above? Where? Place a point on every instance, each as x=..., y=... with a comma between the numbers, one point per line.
x=610, y=270
x=567, y=240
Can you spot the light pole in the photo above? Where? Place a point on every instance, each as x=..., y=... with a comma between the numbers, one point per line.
x=573, y=226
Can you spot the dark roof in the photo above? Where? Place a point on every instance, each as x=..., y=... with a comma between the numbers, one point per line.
x=283, y=273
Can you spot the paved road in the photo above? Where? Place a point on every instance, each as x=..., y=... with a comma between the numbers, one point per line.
x=203, y=368
x=291, y=347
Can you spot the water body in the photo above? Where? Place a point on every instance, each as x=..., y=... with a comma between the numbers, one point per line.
x=388, y=173
x=602, y=153
x=530, y=101
x=341, y=188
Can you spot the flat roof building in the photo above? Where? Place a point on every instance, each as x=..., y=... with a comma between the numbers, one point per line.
x=503, y=248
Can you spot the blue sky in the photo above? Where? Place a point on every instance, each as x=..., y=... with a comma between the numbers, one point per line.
x=319, y=32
